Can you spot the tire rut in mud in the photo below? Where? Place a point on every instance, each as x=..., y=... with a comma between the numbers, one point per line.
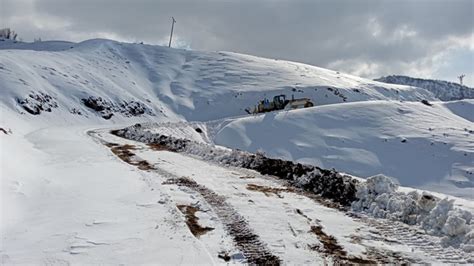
x=253, y=249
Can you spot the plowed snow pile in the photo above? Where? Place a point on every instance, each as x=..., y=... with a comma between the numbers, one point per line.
x=379, y=197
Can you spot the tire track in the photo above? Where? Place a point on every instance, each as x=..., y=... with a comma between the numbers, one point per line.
x=254, y=250
x=414, y=238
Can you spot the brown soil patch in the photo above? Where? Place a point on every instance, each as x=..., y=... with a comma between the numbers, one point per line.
x=333, y=249
x=329, y=242
x=330, y=246
x=144, y=165
x=157, y=147
x=124, y=152
x=110, y=144
x=192, y=220
x=268, y=191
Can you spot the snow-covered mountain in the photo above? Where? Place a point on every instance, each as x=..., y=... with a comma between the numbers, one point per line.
x=444, y=90
x=72, y=192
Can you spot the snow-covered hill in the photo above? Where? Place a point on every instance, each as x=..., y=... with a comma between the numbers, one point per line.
x=444, y=90
x=429, y=147
x=73, y=193
x=115, y=80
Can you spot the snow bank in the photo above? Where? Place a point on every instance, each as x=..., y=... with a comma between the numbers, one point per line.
x=378, y=196
x=327, y=183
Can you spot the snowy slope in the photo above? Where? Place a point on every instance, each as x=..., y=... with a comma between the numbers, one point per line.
x=444, y=90
x=171, y=83
x=67, y=198
x=422, y=146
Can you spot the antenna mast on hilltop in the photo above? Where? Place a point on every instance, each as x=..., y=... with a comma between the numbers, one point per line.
x=172, y=27
x=461, y=78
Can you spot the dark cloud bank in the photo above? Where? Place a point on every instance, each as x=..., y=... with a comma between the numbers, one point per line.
x=368, y=37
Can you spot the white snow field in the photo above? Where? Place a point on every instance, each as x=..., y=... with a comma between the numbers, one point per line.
x=73, y=193
x=427, y=147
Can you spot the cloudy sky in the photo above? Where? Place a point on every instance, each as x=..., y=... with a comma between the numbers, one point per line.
x=369, y=38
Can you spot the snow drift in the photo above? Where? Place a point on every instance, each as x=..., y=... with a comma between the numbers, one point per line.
x=423, y=146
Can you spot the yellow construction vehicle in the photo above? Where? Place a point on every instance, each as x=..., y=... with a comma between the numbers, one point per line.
x=279, y=103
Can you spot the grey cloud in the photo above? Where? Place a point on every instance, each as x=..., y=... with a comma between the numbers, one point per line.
x=315, y=32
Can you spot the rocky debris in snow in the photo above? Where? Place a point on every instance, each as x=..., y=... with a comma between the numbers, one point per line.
x=36, y=102
x=224, y=255
x=378, y=196
x=337, y=93
x=327, y=183
x=108, y=108
x=75, y=111
x=134, y=108
x=101, y=106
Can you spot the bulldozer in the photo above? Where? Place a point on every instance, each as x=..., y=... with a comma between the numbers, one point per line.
x=279, y=103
